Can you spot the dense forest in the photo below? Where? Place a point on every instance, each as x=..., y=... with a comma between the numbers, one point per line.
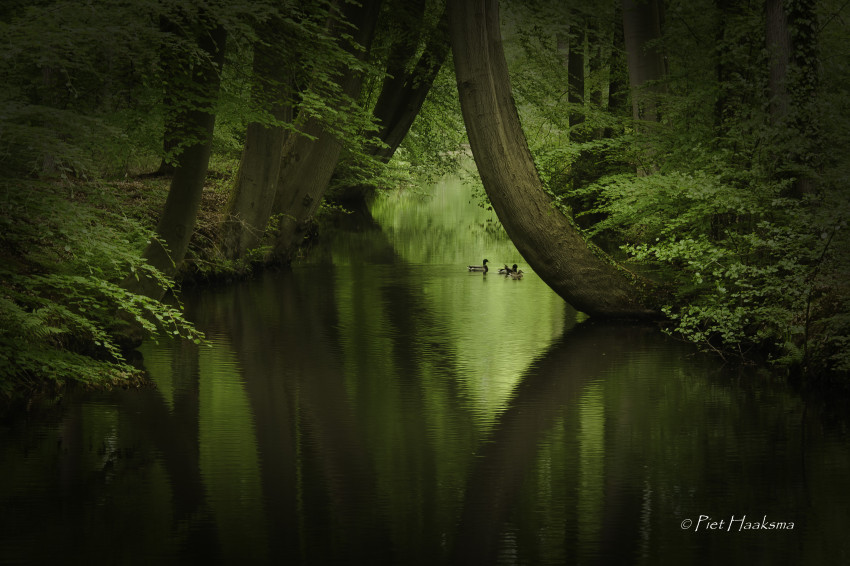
x=663, y=159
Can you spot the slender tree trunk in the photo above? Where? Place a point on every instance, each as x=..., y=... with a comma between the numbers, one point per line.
x=310, y=159
x=600, y=47
x=778, y=39
x=721, y=66
x=546, y=238
x=253, y=194
x=575, y=70
x=791, y=41
x=642, y=27
x=618, y=98
x=402, y=95
x=177, y=221
x=398, y=107
x=170, y=63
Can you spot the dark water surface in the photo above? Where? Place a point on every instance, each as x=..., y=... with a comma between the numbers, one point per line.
x=381, y=405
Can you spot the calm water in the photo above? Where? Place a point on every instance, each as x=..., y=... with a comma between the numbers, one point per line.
x=381, y=405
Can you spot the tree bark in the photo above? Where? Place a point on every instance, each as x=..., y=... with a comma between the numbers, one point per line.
x=251, y=201
x=599, y=65
x=310, y=158
x=398, y=105
x=575, y=71
x=169, y=61
x=401, y=98
x=791, y=41
x=641, y=27
x=546, y=238
x=177, y=221
x=778, y=38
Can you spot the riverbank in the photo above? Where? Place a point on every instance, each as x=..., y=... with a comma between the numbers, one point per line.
x=379, y=397
x=67, y=246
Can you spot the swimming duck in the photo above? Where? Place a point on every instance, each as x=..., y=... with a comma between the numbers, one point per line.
x=483, y=268
x=516, y=274
x=507, y=270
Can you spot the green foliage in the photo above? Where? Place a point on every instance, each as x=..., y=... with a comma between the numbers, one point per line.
x=435, y=144
x=739, y=211
x=66, y=250
x=79, y=88
x=749, y=268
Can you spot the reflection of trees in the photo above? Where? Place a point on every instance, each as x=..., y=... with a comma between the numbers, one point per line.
x=305, y=425
x=340, y=460
x=108, y=441
x=295, y=365
x=555, y=380
x=174, y=432
x=459, y=230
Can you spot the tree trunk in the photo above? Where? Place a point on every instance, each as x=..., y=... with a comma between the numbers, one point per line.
x=778, y=39
x=408, y=14
x=401, y=98
x=251, y=201
x=575, y=71
x=791, y=38
x=310, y=158
x=177, y=221
x=305, y=172
x=600, y=44
x=170, y=63
x=642, y=27
x=397, y=107
x=546, y=238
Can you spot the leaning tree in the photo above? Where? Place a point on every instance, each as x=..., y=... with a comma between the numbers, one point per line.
x=547, y=238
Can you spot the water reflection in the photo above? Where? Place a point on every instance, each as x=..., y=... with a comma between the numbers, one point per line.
x=381, y=405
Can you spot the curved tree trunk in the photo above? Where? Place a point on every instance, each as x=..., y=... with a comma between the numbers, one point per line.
x=579, y=272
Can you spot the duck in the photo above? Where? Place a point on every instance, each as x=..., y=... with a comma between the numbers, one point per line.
x=507, y=270
x=483, y=267
x=516, y=274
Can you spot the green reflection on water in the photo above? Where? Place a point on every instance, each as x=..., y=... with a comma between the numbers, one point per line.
x=492, y=327
x=159, y=364
x=394, y=404
x=443, y=225
x=591, y=471
x=228, y=456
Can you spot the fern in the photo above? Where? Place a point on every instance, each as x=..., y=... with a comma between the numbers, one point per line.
x=66, y=250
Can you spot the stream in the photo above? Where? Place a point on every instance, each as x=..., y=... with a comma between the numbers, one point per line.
x=380, y=404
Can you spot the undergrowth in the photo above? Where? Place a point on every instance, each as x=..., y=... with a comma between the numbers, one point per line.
x=66, y=248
